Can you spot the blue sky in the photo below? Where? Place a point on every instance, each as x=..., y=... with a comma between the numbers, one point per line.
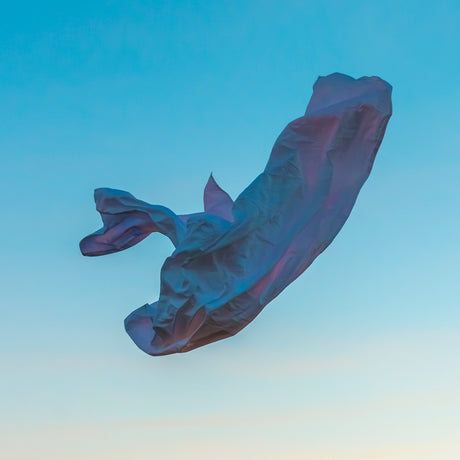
x=357, y=359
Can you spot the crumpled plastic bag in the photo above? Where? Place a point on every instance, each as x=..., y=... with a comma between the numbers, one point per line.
x=235, y=257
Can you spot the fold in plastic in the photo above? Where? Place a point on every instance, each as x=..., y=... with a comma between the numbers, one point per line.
x=235, y=257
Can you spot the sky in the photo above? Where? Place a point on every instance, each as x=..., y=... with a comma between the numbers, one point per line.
x=357, y=359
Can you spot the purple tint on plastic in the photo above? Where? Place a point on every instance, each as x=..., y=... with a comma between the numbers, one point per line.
x=235, y=257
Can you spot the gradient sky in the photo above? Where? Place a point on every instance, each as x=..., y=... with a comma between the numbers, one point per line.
x=357, y=360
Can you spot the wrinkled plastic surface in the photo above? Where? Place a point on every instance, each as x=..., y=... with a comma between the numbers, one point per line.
x=235, y=257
